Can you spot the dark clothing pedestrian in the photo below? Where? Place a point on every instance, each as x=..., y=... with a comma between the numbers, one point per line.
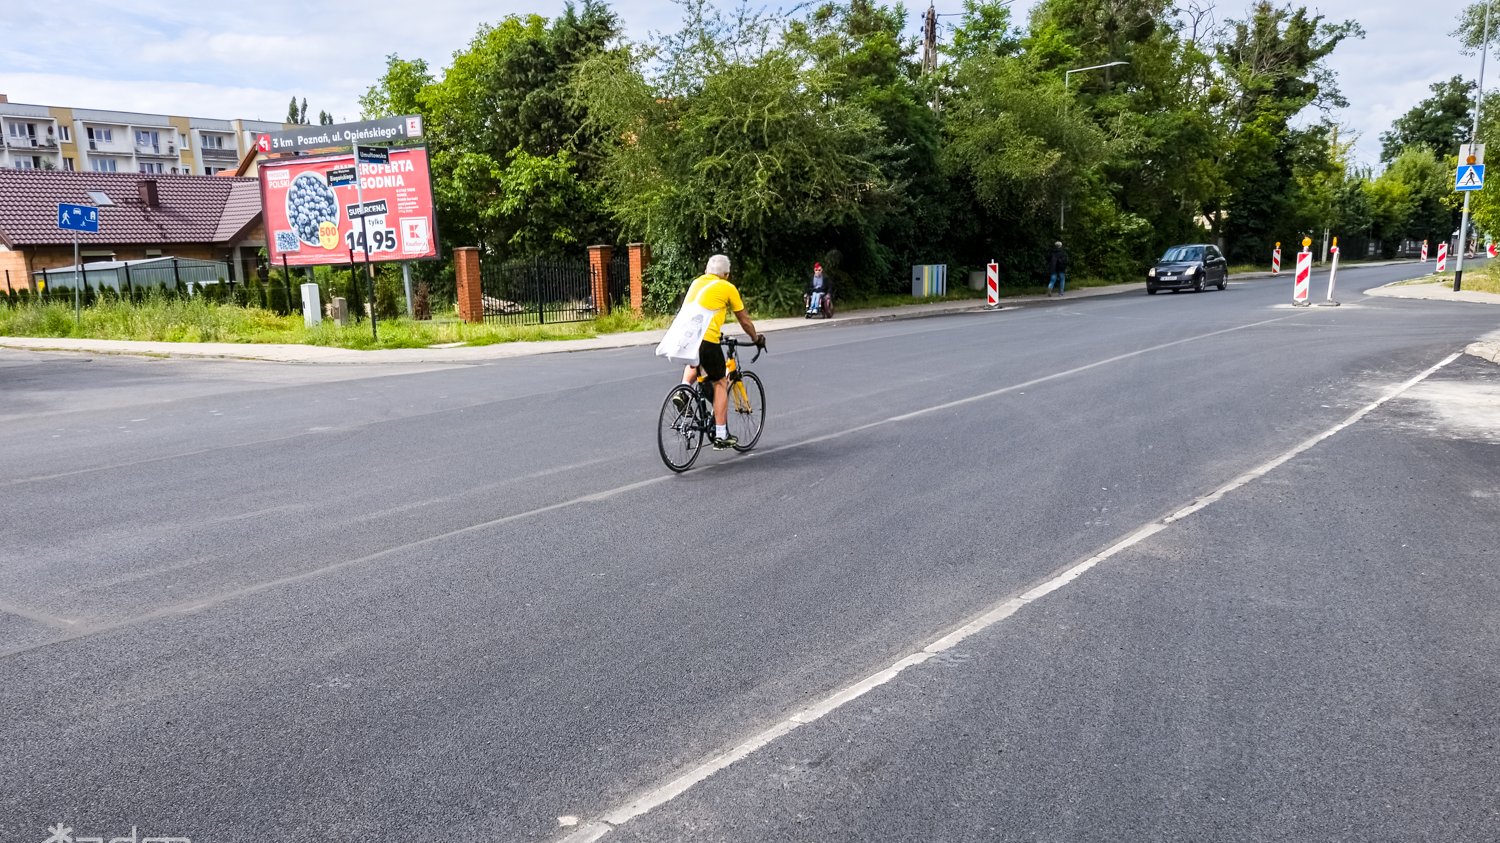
x=1057, y=269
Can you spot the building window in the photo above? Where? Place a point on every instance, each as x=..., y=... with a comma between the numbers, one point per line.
x=103, y=135
x=105, y=165
x=152, y=168
x=25, y=164
x=65, y=133
x=68, y=164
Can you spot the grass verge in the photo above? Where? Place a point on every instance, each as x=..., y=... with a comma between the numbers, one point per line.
x=197, y=320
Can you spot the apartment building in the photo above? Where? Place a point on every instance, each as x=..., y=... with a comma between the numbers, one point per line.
x=44, y=137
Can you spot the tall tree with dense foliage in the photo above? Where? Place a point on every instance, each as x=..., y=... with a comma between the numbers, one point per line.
x=1273, y=63
x=1439, y=123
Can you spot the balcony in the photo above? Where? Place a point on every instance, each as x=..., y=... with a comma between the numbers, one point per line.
x=218, y=153
x=156, y=150
x=23, y=142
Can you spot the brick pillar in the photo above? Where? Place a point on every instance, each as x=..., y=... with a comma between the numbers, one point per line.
x=640, y=258
x=470, y=297
x=599, y=258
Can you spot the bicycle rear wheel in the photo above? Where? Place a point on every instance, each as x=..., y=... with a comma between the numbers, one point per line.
x=679, y=431
x=747, y=410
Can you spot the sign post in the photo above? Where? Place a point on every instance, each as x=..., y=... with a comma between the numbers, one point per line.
x=992, y=284
x=76, y=218
x=1442, y=258
x=368, y=155
x=1276, y=259
x=1304, y=273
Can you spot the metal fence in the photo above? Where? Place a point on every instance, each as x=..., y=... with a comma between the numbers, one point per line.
x=127, y=276
x=541, y=290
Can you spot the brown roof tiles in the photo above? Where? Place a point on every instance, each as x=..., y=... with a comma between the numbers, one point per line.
x=192, y=209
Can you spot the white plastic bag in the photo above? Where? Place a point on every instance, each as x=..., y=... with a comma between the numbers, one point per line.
x=680, y=345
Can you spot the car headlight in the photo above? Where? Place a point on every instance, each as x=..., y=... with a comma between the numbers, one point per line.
x=1151, y=273
x=1194, y=270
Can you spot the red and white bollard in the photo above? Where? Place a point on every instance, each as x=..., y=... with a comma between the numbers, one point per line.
x=1276, y=259
x=1304, y=278
x=1424, y=251
x=992, y=284
x=1442, y=264
x=1489, y=250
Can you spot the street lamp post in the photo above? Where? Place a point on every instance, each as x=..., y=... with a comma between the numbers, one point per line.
x=1062, y=207
x=1463, y=228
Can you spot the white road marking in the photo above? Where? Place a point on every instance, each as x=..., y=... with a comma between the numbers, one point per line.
x=661, y=794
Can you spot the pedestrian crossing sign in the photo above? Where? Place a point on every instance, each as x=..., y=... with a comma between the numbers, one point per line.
x=1469, y=177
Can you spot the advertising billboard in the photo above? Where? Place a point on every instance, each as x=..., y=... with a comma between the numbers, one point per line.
x=313, y=217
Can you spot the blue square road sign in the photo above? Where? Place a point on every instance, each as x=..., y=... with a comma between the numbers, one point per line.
x=1469, y=177
x=78, y=218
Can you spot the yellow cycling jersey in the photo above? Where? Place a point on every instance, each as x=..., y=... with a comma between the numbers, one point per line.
x=716, y=294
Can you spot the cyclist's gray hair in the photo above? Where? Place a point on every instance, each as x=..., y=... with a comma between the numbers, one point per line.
x=718, y=265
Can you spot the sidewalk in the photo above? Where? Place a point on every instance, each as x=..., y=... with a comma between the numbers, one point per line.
x=504, y=351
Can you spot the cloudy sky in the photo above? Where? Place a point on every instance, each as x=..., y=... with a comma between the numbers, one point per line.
x=225, y=61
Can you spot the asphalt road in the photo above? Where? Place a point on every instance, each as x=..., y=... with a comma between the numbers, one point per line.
x=249, y=601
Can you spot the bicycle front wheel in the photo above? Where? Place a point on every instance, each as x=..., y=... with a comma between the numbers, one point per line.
x=679, y=431
x=747, y=410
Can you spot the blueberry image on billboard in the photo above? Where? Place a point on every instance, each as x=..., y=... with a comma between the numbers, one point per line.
x=310, y=203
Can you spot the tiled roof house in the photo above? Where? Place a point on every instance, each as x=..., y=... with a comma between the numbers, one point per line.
x=199, y=217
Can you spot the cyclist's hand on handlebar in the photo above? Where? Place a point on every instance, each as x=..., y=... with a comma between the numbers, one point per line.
x=760, y=341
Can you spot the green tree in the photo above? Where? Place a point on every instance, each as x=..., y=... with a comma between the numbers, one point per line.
x=399, y=90
x=1273, y=64
x=758, y=158
x=500, y=109
x=291, y=112
x=1439, y=123
x=860, y=51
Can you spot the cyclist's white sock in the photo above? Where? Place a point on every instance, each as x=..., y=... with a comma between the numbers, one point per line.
x=721, y=431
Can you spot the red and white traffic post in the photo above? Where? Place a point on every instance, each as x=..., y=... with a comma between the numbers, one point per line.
x=1442, y=263
x=1276, y=259
x=1490, y=249
x=1332, y=271
x=1304, y=273
x=992, y=284
x=1424, y=251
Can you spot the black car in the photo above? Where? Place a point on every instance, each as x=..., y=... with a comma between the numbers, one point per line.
x=1190, y=267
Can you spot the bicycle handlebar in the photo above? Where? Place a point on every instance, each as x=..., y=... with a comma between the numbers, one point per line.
x=733, y=342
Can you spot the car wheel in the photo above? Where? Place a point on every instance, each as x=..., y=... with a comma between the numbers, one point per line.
x=1223, y=283
x=1198, y=285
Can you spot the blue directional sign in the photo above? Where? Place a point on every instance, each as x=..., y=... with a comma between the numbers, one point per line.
x=1469, y=177
x=78, y=218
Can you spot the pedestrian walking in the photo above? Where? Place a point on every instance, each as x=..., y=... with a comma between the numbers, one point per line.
x=1057, y=269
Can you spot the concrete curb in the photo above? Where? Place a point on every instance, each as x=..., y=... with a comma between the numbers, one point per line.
x=1434, y=291
x=1485, y=349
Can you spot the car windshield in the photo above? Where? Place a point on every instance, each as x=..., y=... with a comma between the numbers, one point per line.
x=1183, y=253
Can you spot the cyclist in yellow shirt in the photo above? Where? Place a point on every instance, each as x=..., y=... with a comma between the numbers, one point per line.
x=713, y=291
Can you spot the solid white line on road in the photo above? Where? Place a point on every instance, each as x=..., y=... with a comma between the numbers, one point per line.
x=661, y=794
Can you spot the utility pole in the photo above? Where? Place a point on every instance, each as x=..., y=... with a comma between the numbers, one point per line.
x=1463, y=227
x=929, y=39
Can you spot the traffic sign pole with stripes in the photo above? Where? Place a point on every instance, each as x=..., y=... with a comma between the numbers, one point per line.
x=1442, y=263
x=1424, y=251
x=992, y=284
x=1276, y=259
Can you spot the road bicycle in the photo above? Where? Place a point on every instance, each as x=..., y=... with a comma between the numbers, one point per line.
x=686, y=424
